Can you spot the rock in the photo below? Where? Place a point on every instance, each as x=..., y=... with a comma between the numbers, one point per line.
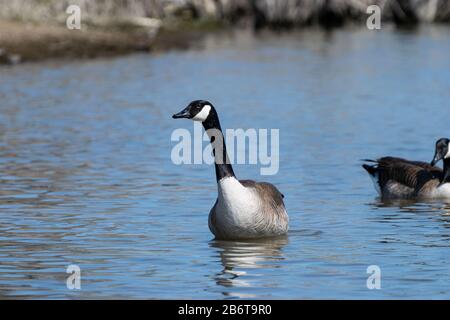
x=14, y=59
x=427, y=11
x=9, y=59
x=3, y=56
x=145, y=22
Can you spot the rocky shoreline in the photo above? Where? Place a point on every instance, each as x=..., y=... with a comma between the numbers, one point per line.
x=20, y=42
x=36, y=30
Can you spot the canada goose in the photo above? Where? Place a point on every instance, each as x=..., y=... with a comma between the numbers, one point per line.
x=244, y=209
x=395, y=178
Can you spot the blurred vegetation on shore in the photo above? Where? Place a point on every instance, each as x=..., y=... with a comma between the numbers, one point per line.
x=36, y=29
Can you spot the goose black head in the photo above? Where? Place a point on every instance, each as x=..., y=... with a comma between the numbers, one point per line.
x=442, y=150
x=197, y=110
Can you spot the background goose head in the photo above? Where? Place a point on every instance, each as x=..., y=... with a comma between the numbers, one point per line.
x=197, y=110
x=442, y=150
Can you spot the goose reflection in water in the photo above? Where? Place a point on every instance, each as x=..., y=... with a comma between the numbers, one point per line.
x=417, y=206
x=241, y=259
x=432, y=210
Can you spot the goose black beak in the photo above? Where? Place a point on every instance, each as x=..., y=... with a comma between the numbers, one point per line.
x=182, y=114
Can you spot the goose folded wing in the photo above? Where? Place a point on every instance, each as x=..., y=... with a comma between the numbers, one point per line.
x=413, y=174
x=266, y=191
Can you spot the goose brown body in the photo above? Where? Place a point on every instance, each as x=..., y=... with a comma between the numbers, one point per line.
x=254, y=212
x=401, y=178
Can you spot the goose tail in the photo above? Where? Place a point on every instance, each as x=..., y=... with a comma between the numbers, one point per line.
x=372, y=170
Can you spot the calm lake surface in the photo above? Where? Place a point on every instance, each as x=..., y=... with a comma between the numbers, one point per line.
x=86, y=176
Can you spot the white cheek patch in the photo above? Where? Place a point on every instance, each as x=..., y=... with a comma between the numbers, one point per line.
x=448, y=154
x=203, y=114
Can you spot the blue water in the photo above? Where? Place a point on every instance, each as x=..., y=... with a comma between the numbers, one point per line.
x=86, y=176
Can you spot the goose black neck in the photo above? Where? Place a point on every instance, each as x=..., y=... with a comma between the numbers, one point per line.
x=221, y=160
x=446, y=175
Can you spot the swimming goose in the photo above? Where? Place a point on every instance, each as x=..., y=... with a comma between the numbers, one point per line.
x=244, y=209
x=396, y=178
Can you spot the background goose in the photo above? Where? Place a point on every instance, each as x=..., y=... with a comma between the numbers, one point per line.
x=244, y=208
x=400, y=178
